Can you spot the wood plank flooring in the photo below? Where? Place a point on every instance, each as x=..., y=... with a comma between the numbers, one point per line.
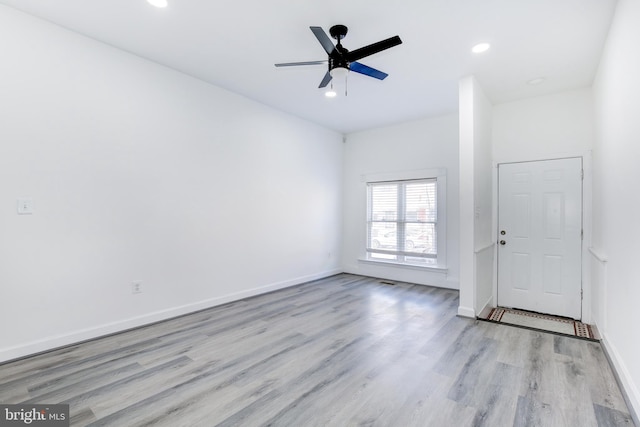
x=342, y=351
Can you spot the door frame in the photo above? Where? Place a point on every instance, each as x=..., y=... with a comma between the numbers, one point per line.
x=587, y=195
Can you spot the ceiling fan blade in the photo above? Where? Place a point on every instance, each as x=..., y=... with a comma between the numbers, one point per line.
x=293, y=64
x=373, y=48
x=325, y=81
x=324, y=39
x=367, y=71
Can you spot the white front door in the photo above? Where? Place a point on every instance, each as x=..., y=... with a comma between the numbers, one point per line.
x=540, y=236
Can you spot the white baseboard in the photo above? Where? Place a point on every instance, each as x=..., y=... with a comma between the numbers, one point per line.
x=62, y=340
x=629, y=389
x=466, y=312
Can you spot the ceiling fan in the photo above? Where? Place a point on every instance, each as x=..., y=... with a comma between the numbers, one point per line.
x=342, y=60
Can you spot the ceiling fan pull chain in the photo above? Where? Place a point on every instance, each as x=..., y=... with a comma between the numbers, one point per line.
x=345, y=84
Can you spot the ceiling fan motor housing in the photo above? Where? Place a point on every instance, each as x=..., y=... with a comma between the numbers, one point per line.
x=338, y=60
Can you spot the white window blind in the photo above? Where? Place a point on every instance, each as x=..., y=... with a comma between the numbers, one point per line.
x=402, y=221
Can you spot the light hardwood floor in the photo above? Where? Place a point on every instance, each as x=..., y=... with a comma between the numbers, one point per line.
x=342, y=351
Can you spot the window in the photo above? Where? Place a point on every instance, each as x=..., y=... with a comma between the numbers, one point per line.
x=402, y=221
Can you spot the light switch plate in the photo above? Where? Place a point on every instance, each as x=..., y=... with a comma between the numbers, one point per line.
x=25, y=206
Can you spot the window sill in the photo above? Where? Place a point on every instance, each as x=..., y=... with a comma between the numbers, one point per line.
x=432, y=268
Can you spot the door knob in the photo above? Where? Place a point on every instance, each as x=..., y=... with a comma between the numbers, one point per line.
x=502, y=242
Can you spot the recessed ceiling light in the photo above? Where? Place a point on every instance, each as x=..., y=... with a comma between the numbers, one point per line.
x=536, y=82
x=480, y=47
x=158, y=3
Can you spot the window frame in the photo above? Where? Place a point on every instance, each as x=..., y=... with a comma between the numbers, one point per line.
x=439, y=175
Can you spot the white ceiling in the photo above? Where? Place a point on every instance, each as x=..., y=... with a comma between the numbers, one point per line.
x=234, y=44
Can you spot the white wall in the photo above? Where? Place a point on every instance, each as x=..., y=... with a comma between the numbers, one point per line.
x=544, y=127
x=425, y=144
x=476, y=203
x=484, y=248
x=616, y=229
x=138, y=172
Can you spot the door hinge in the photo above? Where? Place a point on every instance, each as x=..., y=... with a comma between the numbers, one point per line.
x=582, y=174
x=581, y=294
x=581, y=234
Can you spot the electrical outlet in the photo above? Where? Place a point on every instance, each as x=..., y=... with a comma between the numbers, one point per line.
x=136, y=287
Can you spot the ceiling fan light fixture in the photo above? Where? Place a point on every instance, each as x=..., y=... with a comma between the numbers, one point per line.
x=158, y=3
x=480, y=47
x=339, y=72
